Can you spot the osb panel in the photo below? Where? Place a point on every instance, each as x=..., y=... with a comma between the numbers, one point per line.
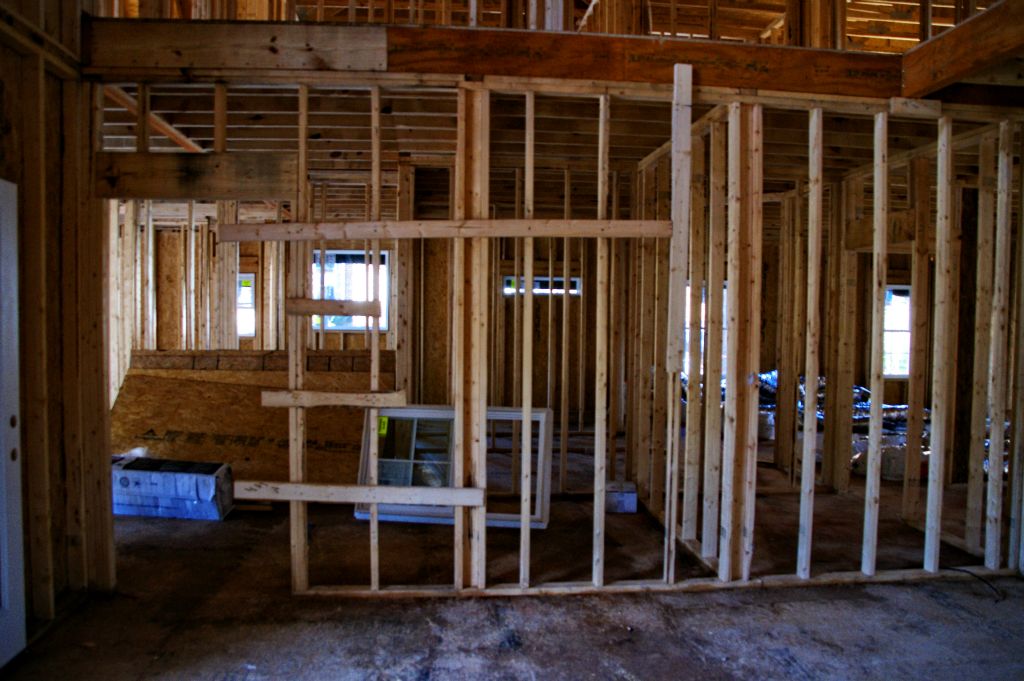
x=215, y=416
x=168, y=289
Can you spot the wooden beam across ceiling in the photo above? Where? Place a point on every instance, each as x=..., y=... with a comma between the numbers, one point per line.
x=983, y=41
x=154, y=50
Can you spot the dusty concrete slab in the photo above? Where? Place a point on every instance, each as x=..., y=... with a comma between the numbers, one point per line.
x=201, y=600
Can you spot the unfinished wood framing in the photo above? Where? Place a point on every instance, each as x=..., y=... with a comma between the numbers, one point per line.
x=815, y=220
x=659, y=173
x=880, y=265
x=941, y=380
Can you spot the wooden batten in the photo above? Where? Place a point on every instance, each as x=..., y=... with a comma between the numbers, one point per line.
x=357, y=494
x=445, y=229
x=304, y=307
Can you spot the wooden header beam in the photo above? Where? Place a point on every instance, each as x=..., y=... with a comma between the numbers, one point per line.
x=237, y=176
x=443, y=229
x=985, y=40
x=125, y=49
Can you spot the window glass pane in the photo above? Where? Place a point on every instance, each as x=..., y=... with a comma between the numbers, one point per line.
x=896, y=335
x=703, y=328
x=347, y=276
x=246, y=304
x=896, y=355
x=543, y=286
x=897, y=309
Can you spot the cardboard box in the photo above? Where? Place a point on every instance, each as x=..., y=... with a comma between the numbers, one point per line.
x=162, y=488
x=620, y=497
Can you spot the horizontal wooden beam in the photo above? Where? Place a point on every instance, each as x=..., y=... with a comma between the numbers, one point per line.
x=132, y=50
x=985, y=40
x=640, y=60
x=305, y=307
x=443, y=229
x=358, y=494
x=312, y=398
x=238, y=175
x=119, y=44
x=690, y=585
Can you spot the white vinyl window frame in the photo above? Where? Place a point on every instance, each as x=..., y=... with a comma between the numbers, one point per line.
x=445, y=515
x=896, y=332
x=348, y=278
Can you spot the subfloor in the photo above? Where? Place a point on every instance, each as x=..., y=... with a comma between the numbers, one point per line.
x=204, y=600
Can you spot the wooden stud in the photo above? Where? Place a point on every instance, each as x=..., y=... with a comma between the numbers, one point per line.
x=526, y=446
x=983, y=306
x=681, y=208
x=941, y=356
x=220, y=118
x=1015, y=559
x=919, y=293
x=142, y=119
x=297, y=329
x=601, y=346
x=739, y=454
x=840, y=415
x=789, y=285
x=880, y=211
x=713, y=344
x=694, y=401
x=72, y=218
x=35, y=380
x=375, y=214
x=753, y=162
x=815, y=203
x=91, y=238
x=999, y=351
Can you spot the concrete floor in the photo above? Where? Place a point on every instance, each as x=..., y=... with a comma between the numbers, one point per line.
x=201, y=600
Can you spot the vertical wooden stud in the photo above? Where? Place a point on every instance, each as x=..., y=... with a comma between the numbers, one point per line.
x=880, y=212
x=941, y=377
x=815, y=202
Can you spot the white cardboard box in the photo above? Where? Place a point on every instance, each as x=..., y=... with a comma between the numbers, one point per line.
x=620, y=497
x=163, y=488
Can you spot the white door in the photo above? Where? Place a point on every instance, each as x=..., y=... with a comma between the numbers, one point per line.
x=12, y=565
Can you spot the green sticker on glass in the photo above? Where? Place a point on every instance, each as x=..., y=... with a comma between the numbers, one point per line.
x=382, y=425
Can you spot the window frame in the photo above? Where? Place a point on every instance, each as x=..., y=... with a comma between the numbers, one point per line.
x=908, y=331
x=385, y=290
x=239, y=306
